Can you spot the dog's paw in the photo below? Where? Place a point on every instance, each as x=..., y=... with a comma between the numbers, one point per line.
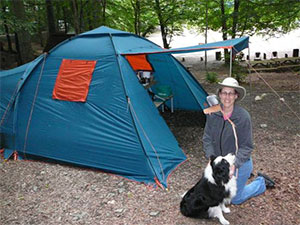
x=226, y=210
x=224, y=222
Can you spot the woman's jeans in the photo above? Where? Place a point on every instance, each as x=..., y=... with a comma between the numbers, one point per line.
x=244, y=192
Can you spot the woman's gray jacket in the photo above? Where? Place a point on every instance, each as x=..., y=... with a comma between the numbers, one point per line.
x=218, y=138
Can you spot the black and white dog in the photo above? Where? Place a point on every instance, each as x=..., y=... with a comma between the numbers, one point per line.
x=208, y=197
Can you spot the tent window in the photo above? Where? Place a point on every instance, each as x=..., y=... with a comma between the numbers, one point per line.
x=139, y=62
x=73, y=80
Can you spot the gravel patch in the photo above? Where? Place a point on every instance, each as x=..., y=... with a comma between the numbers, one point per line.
x=36, y=192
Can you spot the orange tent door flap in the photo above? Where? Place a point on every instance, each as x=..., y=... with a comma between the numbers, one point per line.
x=139, y=62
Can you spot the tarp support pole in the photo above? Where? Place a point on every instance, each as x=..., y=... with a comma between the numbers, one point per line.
x=230, y=67
x=250, y=77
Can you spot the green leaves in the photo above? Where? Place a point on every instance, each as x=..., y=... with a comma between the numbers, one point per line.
x=237, y=18
x=252, y=17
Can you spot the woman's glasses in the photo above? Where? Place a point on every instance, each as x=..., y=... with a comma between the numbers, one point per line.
x=229, y=94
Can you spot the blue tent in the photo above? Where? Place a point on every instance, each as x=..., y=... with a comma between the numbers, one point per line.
x=115, y=126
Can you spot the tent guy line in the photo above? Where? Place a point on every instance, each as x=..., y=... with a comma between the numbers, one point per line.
x=33, y=102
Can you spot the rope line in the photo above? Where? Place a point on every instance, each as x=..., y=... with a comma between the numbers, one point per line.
x=9, y=103
x=275, y=92
x=235, y=135
x=162, y=171
x=12, y=97
x=32, y=106
x=235, y=139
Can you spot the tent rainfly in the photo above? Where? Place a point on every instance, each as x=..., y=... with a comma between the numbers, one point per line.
x=82, y=103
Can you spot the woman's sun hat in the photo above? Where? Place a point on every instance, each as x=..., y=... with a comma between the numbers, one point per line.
x=232, y=83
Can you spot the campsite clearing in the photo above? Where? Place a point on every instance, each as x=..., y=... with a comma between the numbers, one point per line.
x=34, y=192
x=88, y=106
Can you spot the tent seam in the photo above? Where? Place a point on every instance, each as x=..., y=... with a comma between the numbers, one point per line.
x=32, y=107
x=132, y=110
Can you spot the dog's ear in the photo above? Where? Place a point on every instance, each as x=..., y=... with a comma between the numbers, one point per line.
x=212, y=158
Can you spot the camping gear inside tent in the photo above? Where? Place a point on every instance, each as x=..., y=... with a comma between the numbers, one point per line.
x=83, y=103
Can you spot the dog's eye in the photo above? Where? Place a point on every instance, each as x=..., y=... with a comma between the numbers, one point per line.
x=225, y=162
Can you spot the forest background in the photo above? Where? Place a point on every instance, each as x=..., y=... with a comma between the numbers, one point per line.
x=47, y=22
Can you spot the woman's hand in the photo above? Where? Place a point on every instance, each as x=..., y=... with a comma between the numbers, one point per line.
x=231, y=171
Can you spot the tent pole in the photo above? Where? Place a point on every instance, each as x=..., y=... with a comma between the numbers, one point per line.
x=134, y=116
x=230, y=68
x=206, y=27
x=249, y=71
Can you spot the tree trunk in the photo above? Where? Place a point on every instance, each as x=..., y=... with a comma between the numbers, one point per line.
x=76, y=17
x=24, y=39
x=50, y=18
x=18, y=49
x=224, y=29
x=65, y=21
x=10, y=49
x=162, y=25
x=206, y=29
x=137, y=13
x=91, y=20
x=103, y=12
x=40, y=32
x=223, y=18
x=81, y=19
x=235, y=17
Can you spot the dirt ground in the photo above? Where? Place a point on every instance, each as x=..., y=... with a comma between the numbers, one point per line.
x=40, y=193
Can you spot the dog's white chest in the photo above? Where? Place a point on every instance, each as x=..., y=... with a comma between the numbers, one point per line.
x=231, y=187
